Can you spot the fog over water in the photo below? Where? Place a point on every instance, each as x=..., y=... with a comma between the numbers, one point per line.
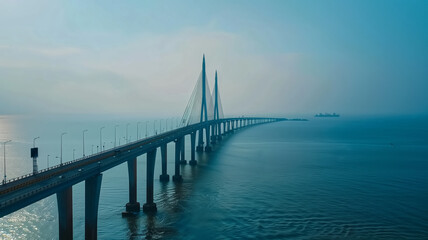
x=76, y=65
x=352, y=57
x=353, y=178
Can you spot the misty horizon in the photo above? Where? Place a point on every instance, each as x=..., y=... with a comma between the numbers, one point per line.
x=282, y=58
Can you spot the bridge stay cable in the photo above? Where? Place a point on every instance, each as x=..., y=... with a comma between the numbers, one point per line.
x=203, y=114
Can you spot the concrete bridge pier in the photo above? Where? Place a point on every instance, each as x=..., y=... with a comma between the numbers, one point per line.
x=177, y=177
x=192, y=149
x=92, y=199
x=150, y=206
x=208, y=147
x=164, y=177
x=132, y=206
x=65, y=213
x=200, y=147
x=219, y=138
x=213, y=134
x=183, y=159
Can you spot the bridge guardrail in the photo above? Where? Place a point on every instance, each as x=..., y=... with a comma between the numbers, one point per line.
x=129, y=144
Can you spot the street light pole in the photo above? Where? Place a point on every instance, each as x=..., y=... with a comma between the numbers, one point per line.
x=127, y=140
x=138, y=136
x=47, y=161
x=115, y=127
x=154, y=127
x=84, y=141
x=101, y=136
x=62, y=134
x=34, y=141
x=146, y=127
x=34, y=155
x=4, y=159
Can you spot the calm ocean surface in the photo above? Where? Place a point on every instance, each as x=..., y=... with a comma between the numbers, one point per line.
x=340, y=178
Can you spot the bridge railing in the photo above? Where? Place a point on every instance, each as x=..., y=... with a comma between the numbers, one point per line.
x=124, y=145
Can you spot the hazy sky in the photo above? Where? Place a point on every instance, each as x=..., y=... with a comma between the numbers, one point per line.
x=274, y=57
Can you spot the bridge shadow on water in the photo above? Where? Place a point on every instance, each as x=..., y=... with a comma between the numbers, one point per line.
x=171, y=199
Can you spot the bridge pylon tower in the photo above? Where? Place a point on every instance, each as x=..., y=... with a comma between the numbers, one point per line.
x=204, y=114
x=216, y=127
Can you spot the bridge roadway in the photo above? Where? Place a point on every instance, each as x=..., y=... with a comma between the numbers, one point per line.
x=16, y=194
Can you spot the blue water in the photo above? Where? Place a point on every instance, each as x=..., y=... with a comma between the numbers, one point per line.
x=341, y=178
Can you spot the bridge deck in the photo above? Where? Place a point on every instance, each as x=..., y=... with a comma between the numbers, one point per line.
x=23, y=191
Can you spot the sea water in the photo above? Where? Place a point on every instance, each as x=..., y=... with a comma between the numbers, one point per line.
x=327, y=178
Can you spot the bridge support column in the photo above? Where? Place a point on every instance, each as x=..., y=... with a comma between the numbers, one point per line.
x=213, y=134
x=164, y=177
x=132, y=206
x=92, y=199
x=65, y=213
x=219, y=134
x=150, y=206
x=224, y=128
x=200, y=147
x=177, y=177
x=183, y=159
x=208, y=147
x=192, y=149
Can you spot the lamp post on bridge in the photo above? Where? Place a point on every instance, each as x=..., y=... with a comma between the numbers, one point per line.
x=47, y=161
x=138, y=136
x=62, y=134
x=34, y=155
x=115, y=127
x=83, y=133
x=146, y=127
x=127, y=139
x=101, y=137
x=4, y=159
x=154, y=128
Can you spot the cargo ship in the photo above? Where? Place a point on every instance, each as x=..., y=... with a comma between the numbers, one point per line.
x=327, y=115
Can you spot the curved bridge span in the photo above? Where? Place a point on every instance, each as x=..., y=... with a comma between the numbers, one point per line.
x=203, y=118
x=59, y=180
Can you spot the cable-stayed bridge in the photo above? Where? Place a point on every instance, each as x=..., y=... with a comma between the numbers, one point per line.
x=203, y=119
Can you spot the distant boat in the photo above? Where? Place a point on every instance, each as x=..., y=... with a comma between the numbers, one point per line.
x=327, y=115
